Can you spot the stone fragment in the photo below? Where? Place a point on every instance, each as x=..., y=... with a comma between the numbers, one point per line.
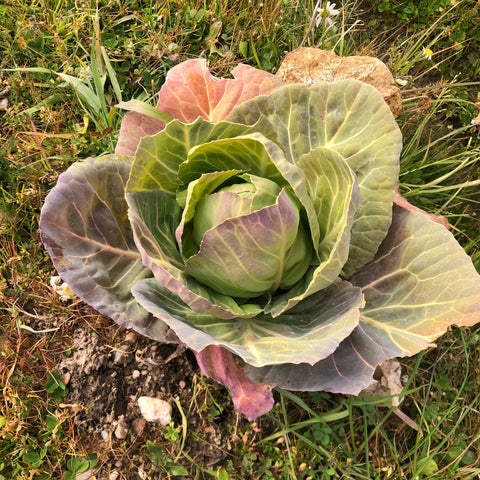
x=138, y=425
x=155, y=410
x=121, y=429
x=311, y=65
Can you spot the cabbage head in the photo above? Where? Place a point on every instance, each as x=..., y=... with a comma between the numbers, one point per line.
x=256, y=223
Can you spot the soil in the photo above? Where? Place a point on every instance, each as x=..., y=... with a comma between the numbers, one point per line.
x=108, y=369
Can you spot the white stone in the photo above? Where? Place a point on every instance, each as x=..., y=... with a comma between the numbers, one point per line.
x=155, y=410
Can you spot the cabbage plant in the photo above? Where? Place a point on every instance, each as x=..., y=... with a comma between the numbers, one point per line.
x=256, y=223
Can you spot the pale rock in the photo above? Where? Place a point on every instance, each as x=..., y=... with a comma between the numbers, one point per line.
x=121, y=429
x=311, y=65
x=155, y=410
x=130, y=337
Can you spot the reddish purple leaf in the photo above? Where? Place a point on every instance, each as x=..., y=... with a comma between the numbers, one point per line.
x=250, y=398
x=401, y=201
x=134, y=127
x=191, y=91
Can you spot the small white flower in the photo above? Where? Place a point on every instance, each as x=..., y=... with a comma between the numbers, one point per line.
x=401, y=81
x=327, y=11
x=427, y=53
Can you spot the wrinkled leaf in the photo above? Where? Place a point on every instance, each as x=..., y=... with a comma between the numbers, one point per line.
x=351, y=118
x=85, y=229
x=420, y=283
x=310, y=331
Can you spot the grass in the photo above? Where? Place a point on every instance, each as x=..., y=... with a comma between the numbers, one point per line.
x=65, y=65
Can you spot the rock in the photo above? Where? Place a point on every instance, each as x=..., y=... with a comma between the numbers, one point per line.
x=155, y=410
x=121, y=355
x=311, y=65
x=121, y=429
x=65, y=378
x=131, y=337
x=138, y=425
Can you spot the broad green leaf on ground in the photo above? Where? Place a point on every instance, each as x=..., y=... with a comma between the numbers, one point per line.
x=250, y=398
x=190, y=91
x=307, y=333
x=85, y=228
x=420, y=283
x=351, y=118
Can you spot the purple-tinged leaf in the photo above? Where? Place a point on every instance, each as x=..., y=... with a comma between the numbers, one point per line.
x=250, y=398
x=85, y=229
x=134, y=127
x=245, y=256
x=420, y=283
x=190, y=91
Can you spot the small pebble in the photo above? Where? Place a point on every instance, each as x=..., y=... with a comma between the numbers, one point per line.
x=65, y=378
x=155, y=410
x=138, y=425
x=130, y=337
x=122, y=428
x=135, y=374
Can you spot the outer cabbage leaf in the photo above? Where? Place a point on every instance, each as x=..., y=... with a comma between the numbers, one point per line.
x=351, y=118
x=85, y=229
x=190, y=91
x=134, y=127
x=250, y=398
x=308, y=332
x=420, y=283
